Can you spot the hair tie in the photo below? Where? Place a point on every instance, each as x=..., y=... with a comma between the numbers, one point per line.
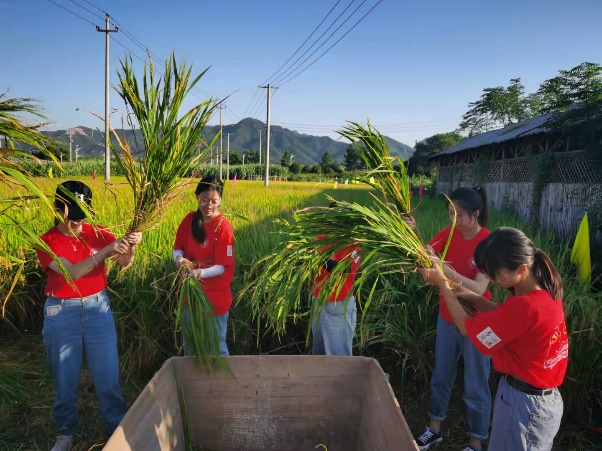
x=476, y=187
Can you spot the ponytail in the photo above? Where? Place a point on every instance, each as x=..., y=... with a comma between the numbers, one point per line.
x=198, y=230
x=484, y=212
x=546, y=274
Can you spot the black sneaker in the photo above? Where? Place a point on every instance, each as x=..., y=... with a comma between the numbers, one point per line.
x=427, y=438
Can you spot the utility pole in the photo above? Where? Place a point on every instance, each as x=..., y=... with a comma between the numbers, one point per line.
x=77, y=149
x=259, y=146
x=267, y=137
x=70, y=133
x=106, y=31
x=221, y=136
x=228, y=159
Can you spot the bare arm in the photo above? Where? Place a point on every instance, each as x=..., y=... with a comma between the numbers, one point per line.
x=81, y=268
x=478, y=285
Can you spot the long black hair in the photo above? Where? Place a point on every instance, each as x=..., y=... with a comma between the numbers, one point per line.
x=471, y=200
x=207, y=183
x=508, y=248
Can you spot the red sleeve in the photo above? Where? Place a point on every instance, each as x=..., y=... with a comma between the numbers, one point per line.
x=182, y=233
x=493, y=330
x=106, y=236
x=224, y=244
x=439, y=240
x=44, y=258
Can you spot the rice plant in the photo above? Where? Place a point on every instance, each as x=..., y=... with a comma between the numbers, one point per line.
x=170, y=151
x=388, y=245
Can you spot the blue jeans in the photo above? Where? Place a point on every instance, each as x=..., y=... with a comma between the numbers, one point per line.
x=73, y=327
x=450, y=345
x=522, y=421
x=334, y=328
x=221, y=322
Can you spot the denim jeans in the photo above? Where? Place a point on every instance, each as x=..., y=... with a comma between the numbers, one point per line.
x=73, y=327
x=334, y=328
x=450, y=345
x=522, y=421
x=221, y=322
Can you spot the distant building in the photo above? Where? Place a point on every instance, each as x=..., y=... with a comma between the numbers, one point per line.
x=540, y=174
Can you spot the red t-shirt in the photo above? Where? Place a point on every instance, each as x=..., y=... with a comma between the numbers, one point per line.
x=526, y=337
x=460, y=257
x=218, y=249
x=347, y=285
x=75, y=249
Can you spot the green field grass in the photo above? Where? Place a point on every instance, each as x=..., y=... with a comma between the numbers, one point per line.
x=398, y=330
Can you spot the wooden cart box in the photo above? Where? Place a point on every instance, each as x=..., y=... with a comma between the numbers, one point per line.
x=269, y=403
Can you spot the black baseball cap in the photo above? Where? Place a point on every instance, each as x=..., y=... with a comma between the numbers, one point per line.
x=72, y=195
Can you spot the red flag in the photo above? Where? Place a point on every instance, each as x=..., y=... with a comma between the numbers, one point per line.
x=234, y=180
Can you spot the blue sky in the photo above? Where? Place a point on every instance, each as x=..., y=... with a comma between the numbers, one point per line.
x=411, y=66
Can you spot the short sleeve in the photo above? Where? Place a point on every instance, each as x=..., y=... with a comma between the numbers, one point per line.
x=439, y=240
x=224, y=244
x=493, y=330
x=44, y=257
x=180, y=242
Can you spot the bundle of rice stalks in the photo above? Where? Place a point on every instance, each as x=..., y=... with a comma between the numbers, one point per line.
x=172, y=145
x=387, y=244
x=172, y=148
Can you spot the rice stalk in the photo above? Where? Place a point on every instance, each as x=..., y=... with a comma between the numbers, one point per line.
x=194, y=318
x=171, y=140
x=170, y=151
x=388, y=245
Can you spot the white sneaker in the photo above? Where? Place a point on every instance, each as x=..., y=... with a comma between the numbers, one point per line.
x=63, y=443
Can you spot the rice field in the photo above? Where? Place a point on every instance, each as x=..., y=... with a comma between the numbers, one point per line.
x=398, y=329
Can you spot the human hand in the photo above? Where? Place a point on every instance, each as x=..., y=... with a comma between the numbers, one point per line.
x=434, y=276
x=119, y=247
x=134, y=237
x=409, y=220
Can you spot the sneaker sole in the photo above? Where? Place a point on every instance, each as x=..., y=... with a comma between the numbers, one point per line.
x=425, y=447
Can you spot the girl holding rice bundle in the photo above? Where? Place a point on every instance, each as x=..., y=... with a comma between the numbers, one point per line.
x=525, y=336
x=77, y=312
x=470, y=209
x=205, y=243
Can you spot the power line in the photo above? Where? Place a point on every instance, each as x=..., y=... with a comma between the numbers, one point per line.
x=293, y=67
x=86, y=9
x=92, y=4
x=74, y=13
x=304, y=42
x=337, y=41
x=251, y=102
x=258, y=105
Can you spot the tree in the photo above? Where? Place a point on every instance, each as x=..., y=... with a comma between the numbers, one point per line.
x=418, y=162
x=235, y=157
x=581, y=84
x=352, y=160
x=286, y=159
x=327, y=161
x=496, y=108
x=295, y=167
x=251, y=156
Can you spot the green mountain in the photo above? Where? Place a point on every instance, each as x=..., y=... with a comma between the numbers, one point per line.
x=307, y=149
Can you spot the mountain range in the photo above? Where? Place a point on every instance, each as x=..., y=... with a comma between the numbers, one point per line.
x=306, y=149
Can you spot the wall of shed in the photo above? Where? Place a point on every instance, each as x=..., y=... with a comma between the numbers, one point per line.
x=574, y=189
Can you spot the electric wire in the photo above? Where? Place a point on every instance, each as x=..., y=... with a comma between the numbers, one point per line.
x=304, y=42
x=87, y=10
x=74, y=13
x=329, y=48
x=294, y=65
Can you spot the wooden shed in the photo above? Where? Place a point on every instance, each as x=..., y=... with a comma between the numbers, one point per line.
x=539, y=173
x=267, y=403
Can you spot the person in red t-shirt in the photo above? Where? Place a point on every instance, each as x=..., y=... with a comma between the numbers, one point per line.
x=470, y=205
x=525, y=336
x=333, y=327
x=77, y=313
x=206, y=239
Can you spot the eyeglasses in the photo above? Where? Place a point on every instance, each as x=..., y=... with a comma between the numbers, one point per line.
x=212, y=202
